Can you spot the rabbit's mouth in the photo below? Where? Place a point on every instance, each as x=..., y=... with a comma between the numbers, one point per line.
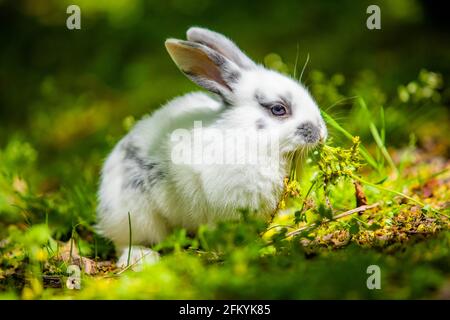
x=301, y=152
x=304, y=142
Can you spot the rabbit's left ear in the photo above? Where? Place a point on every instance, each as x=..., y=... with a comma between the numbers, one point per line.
x=221, y=44
x=204, y=66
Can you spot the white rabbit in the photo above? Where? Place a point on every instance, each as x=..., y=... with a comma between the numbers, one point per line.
x=140, y=177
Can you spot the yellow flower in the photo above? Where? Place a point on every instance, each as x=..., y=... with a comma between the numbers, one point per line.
x=41, y=255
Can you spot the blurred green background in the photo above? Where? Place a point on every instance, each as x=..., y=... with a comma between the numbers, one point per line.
x=116, y=65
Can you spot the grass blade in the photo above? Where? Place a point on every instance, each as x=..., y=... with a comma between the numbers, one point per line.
x=129, y=239
x=376, y=136
x=303, y=69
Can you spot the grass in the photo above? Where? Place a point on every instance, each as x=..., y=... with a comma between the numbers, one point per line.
x=319, y=244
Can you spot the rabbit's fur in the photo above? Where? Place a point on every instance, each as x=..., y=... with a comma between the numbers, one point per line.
x=139, y=177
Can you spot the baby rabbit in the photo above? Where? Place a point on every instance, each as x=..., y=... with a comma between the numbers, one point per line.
x=141, y=178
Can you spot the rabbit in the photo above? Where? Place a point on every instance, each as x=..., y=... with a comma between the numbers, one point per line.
x=142, y=185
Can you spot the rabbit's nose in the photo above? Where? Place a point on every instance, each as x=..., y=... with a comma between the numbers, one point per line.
x=309, y=132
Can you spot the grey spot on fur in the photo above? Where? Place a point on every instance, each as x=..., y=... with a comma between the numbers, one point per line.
x=309, y=132
x=209, y=85
x=217, y=58
x=135, y=183
x=287, y=101
x=191, y=44
x=140, y=173
x=203, y=82
x=221, y=44
x=132, y=154
x=259, y=98
x=232, y=77
x=260, y=124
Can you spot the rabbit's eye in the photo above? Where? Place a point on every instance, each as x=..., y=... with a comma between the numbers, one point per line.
x=278, y=110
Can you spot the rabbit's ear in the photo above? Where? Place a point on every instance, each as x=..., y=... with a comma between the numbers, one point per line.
x=221, y=44
x=204, y=66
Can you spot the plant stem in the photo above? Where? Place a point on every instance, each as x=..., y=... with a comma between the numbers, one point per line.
x=307, y=195
x=339, y=216
x=388, y=190
x=399, y=194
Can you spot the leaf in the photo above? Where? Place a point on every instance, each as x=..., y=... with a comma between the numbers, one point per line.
x=361, y=199
x=382, y=180
x=354, y=227
x=70, y=257
x=374, y=226
x=325, y=212
x=300, y=217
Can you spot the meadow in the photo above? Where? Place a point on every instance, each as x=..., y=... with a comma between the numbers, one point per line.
x=376, y=194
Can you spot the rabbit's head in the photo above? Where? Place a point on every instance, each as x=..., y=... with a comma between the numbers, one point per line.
x=257, y=97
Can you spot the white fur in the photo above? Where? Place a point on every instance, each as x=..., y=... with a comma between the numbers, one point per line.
x=138, y=257
x=188, y=195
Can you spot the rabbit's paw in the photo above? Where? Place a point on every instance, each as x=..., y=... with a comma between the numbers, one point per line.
x=138, y=257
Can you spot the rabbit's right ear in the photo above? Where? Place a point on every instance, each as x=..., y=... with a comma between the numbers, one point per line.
x=204, y=66
x=221, y=44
